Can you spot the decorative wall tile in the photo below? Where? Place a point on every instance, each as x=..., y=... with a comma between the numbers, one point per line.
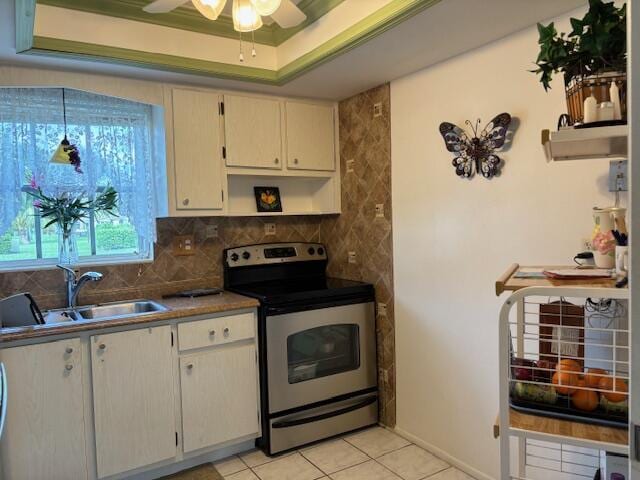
x=365, y=141
x=167, y=273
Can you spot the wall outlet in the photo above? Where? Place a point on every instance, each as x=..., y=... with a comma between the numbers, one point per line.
x=350, y=166
x=377, y=110
x=618, y=176
x=382, y=309
x=184, y=245
x=269, y=228
x=212, y=231
x=586, y=245
x=352, y=257
x=379, y=210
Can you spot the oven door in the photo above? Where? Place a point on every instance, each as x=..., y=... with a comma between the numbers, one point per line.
x=320, y=354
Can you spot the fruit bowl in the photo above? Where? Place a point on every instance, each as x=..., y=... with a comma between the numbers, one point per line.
x=565, y=391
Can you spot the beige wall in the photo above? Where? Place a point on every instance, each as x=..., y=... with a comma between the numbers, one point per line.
x=453, y=237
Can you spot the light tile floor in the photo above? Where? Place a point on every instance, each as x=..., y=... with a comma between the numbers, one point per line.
x=372, y=454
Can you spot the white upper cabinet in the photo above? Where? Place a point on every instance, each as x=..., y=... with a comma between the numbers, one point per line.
x=44, y=437
x=133, y=398
x=252, y=131
x=197, y=150
x=310, y=136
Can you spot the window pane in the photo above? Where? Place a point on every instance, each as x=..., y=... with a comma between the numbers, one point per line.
x=19, y=242
x=115, y=236
x=114, y=137
x=49, y=240
x=83, y=238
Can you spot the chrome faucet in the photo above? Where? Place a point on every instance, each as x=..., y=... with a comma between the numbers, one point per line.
x=74, y=284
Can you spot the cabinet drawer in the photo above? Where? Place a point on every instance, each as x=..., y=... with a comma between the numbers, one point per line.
x=216, y=331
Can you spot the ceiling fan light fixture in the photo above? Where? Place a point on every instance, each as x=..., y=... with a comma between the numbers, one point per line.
x=209, y=8
x=245, y=16
x=266, y=7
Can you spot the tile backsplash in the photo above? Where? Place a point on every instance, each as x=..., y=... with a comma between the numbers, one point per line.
x=359, y=240
x=167, y=273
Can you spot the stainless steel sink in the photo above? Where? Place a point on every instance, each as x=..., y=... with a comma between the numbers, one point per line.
x=119, y=310
x=105, y=311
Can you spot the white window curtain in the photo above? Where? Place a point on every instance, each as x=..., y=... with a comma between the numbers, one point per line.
x=114, y=138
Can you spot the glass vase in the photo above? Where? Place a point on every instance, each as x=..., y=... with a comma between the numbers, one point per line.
x=67, y=244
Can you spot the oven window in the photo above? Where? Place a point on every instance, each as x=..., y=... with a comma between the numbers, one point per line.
x=323, y=351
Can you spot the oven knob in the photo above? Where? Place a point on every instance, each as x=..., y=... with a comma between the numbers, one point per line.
x=234, y=257
x=246, y=255
x=320, y=251
x=311, y=250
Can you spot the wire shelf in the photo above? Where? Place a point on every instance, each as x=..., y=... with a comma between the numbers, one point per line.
x=569, y=358
x=564, y=368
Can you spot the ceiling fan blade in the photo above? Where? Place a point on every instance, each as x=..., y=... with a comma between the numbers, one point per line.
x=163, y=6
x=288, y=15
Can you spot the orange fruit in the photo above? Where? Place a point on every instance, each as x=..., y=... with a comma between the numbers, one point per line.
x=593, y=377
x=621, y=389
x=567, y=364
x=563, y=382
x=586, y=400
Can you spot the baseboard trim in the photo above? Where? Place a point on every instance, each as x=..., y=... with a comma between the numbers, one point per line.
x=210, y=457
x=456, y=462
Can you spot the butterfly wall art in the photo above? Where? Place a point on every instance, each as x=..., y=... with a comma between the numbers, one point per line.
x=476, y=154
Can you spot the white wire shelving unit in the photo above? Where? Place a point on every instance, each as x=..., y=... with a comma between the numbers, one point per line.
x=546, y=423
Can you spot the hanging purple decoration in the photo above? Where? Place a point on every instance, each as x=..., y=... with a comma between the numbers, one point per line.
x=67, y=152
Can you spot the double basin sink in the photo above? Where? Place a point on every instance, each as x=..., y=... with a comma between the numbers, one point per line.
x=105, y=311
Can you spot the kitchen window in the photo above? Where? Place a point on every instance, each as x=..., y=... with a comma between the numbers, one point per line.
x=115, y=141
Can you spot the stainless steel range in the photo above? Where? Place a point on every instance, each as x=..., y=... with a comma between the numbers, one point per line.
x=318, y=375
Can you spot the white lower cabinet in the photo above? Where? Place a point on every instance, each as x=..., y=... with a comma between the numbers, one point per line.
x=44, y=436
x=132, y=389
x=219, y=391
x=133, y=398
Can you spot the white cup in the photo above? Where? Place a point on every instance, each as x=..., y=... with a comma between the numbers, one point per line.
x=622, y=261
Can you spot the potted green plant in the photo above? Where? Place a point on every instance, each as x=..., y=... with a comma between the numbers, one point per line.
x=590, y=57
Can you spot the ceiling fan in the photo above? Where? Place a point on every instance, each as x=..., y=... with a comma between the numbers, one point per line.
x=246, y=13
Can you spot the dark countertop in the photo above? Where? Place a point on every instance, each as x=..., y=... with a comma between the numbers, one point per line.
x=178, y=308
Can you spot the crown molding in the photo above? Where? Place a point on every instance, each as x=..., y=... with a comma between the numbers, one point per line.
x=366, y=29
x=189, y=19
x=25, y=18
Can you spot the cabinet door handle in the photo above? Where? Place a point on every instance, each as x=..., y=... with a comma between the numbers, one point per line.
x=185, y=202
x=69, y=351
x=190, y=366
x=212, y=333
x=226, y=332
x=68, y=367
x=276, y=161
x=295, y=161
x=102, y=346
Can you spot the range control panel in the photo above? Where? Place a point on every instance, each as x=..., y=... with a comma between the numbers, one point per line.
x=269, y=253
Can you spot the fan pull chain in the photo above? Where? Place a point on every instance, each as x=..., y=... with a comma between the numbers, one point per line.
x=253, y=44
x=241, y=54
x=64, y=113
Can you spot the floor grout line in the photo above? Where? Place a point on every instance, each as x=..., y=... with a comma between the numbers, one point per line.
x=439, y=471
x=323, y=473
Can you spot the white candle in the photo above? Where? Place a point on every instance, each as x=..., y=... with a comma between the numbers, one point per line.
x=590, y=109
x=605, y=111
x=614, y=95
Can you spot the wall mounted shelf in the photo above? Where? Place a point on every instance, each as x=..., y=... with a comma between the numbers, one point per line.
x=300, y=195
x=586, y=143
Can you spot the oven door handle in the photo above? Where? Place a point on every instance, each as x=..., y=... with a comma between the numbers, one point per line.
x=324, y=416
